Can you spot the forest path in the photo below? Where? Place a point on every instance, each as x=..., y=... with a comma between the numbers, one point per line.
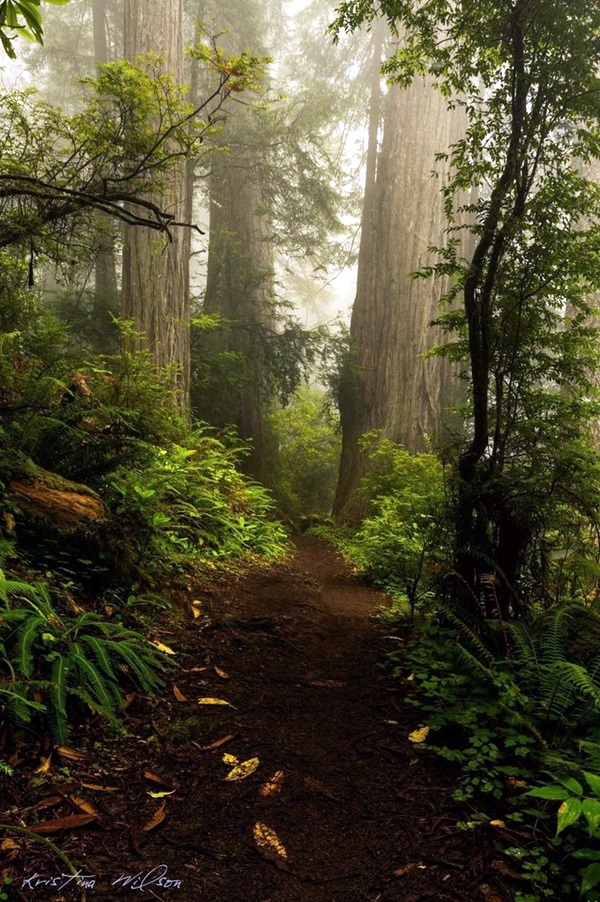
x=361, y=815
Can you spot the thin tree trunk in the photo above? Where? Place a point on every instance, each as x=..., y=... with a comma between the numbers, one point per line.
x=106, y=301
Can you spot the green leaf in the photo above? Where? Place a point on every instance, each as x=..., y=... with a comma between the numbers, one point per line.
x=571, y=784
x=589, y=854
x=590, y=878
x=593, y=781
x=568, y=813
x=555, y=793
x=591, y=810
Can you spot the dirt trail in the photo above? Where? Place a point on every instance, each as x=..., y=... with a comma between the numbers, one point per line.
x=361, y=815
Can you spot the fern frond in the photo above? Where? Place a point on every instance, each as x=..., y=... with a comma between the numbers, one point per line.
x=525, y=647
x=100, y=653
x=468, y=632
x=102, y=691
x=136, y=665
x=25, y=640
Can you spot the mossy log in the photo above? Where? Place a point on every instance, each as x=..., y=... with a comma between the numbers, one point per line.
x=66, y=507
x=38, y=494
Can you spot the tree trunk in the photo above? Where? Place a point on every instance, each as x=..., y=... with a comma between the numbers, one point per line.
x=155, y=274
x=106, y=301
x=239, y=287
x=240, y=274
x=389, y=385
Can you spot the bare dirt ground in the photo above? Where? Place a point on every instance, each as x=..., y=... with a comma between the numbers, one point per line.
x=338, y=806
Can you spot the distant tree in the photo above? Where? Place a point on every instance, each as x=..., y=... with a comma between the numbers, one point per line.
x=156, y=275
x=389, y=383
x=528, y=74
x=275, y=196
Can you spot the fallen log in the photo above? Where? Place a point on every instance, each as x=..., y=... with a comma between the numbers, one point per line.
x=64, y=505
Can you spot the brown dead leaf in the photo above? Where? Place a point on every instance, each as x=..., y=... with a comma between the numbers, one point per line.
x=243, y=770
x=160, y=781
x=195, y=670
x=63, y=823
x=222, y=673
x=273, y=785
x=83, y=805
x=10, y=849
x=156, y=819
x=129, y=700
x=179, y=694
x=45, y=766
x=317, y=786
x=65, y=751
x=49, y=802
x=216, y=744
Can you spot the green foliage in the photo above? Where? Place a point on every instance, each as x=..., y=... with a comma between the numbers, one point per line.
x=403, y=546
x=506, y=701
x=22, y=18
x=71, y=660
x=272, y=356
x=579, y=812
x=191, y=502
x=302, y=455
x=482, y=718
x=526, y=332
x=136, y=123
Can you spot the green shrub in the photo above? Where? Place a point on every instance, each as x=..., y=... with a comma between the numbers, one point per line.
x=192, y=502
x=302, y=455
x=404, y=545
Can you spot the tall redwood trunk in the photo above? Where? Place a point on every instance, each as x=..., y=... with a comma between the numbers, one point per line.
x=389, y=384
x=156, y=274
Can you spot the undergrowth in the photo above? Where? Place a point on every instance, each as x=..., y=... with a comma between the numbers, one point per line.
x=513, y=704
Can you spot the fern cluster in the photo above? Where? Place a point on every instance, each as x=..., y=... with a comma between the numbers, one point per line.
x=567, y=691
x=70, y=662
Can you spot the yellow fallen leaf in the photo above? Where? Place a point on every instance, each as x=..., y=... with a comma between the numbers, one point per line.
x=222, y=673
x=267, y=841
x=214, y=701
x=272, y=785
x=44, y=766
x=419, y=735
x=164, y=648
x=179, y=694
x=161, y=795
x=230, y=759
x=497, y=824
x=410, y=678
x=10, y=849
x=243, y=770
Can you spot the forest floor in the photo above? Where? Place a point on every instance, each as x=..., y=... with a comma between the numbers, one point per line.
x=295, y=650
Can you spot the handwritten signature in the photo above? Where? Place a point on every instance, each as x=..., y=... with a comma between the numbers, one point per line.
x=157, y=876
